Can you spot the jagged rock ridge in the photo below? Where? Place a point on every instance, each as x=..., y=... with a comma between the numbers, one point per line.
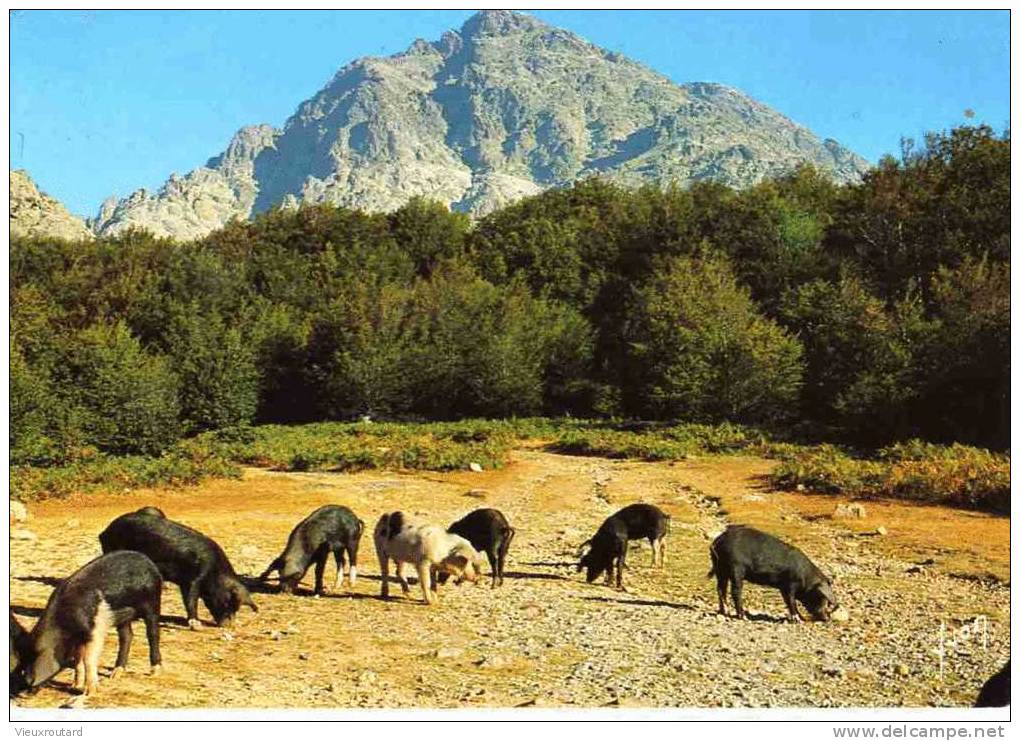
x=506, y=107
x=35, y=214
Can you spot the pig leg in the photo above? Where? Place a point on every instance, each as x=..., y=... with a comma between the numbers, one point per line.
x=190, y=595
x=738, y=590
x=720, y=587
x=320, y=569
x=655, y=551
x=338, y=556
x=352, y=558
x=124, y=637
x=151, y=618
x=404, y=586
x=493, y=565
x=662, y=552
x=609, y=573
x=79, y=672
x=620, y=565
x=425, y=578
x=501, y=559
x=93, y=649
x=384, y=578
x=791, y=605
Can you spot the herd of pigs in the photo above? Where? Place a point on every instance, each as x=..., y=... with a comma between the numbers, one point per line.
x=143, y=549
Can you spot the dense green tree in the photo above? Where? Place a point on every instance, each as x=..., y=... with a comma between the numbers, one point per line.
x=125, y=398
x=698, y=349
x=589, y=299
x=216, y=368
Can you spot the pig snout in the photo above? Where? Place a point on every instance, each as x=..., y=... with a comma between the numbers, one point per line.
x=469, y=574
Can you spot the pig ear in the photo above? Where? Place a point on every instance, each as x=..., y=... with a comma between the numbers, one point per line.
x=457, y=560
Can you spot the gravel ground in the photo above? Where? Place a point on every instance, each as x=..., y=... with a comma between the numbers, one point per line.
x=916, y=637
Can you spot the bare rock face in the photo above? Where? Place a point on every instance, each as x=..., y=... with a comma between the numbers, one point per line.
x=35, y=214
x=501, y=109
x=203, y=200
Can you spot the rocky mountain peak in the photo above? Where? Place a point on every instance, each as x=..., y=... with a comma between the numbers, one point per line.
x=502, y=108
x=499, y=23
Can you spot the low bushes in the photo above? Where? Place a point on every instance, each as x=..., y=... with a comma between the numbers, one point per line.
x=956, y=475
x=181, y=466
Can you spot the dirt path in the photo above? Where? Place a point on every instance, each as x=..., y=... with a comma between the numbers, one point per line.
x=546, y=638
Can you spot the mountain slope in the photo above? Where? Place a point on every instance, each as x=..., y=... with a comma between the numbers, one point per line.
x=504, y=108
x=35, y=214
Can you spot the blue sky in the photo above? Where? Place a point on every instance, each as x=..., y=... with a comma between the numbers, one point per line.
x=104, y=102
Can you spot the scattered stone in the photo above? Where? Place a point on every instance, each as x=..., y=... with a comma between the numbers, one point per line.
x=493, y=662
x=531, y=610
x=21, y=534
x=850, y=510
x=476, y=467
x=275, y=635
x=840, y=615
x=19, y=512
x=477, y=494
x=291, y=629
x=72, y=523
x=304, y=656
x=800, y=487
x=753, y=498
x=833, y=671
x=902, y=669
x=916, y=569
x=880, y=530
x=448, y=652
x=367, y=678
x=226, y=636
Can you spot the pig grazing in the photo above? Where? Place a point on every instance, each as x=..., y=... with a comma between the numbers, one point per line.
x=185, y=557
x=330, y=529
x=995, y=692
x=429, y=548
x=608, y=551
x=644, y=521
x=488, y=532
x=108, y=592
x=743, y=553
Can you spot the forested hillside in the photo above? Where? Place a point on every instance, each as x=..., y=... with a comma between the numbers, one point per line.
x=862, y=313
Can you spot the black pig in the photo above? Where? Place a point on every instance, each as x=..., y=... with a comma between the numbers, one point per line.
x=185, y=557
x=644, y=521
x=995, y=692
x=488, y=531
x=745, y=553
x=608, y=549
x=21, y=652
x=108, y=592
x=151, y=512
x=330, y=529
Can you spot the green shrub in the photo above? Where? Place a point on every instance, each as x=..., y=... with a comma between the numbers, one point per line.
x=699, y=350
x=181, y=466
x=957, y=475
x=126, y=398
x=216, y=366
